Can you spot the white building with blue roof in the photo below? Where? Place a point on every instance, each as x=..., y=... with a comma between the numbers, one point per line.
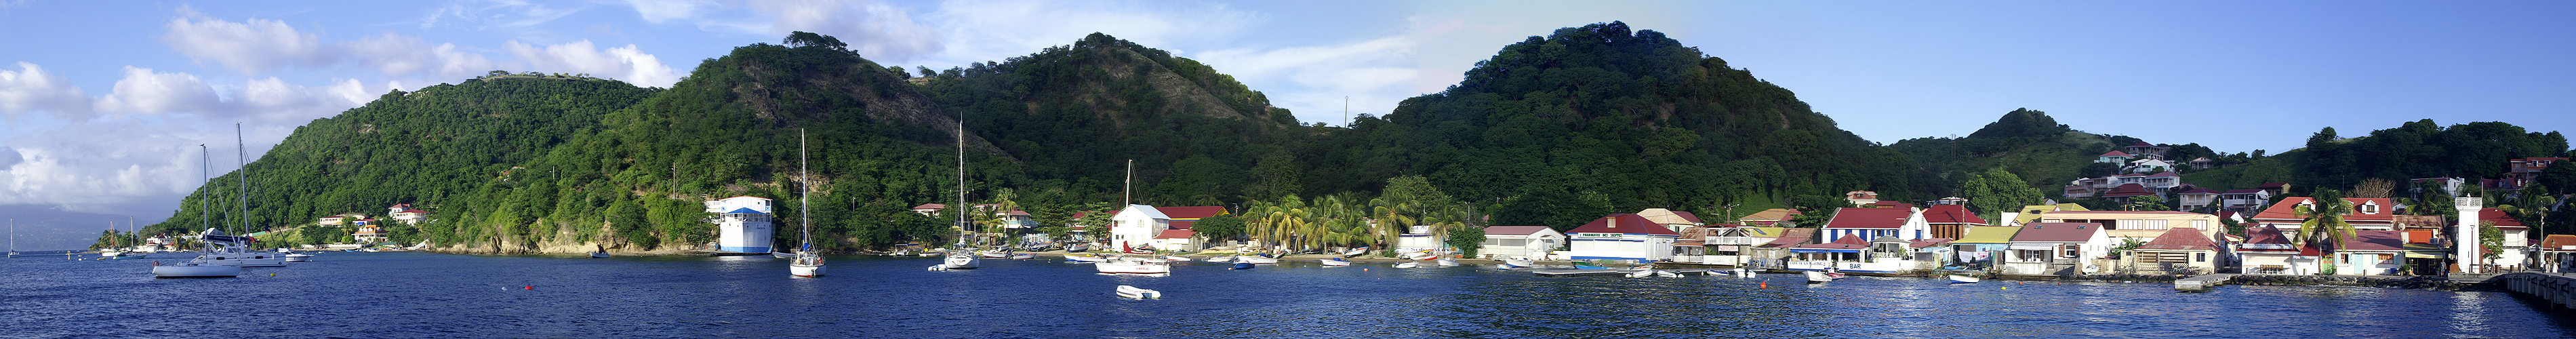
x=742, y=224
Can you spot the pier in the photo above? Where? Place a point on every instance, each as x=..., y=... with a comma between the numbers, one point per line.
x=2558, y=288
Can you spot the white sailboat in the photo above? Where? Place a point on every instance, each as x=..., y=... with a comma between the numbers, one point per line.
x=229, y=250
x=13, y=238
x=122, y=253
x=961, y=258
x=187, y=269
x=806, y=263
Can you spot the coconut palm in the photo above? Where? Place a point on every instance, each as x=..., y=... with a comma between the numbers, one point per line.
x=2325, y=225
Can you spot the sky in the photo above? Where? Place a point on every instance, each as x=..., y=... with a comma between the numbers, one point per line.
x=101, y=101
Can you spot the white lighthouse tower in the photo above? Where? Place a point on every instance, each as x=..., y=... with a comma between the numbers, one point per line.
x=2466, y=239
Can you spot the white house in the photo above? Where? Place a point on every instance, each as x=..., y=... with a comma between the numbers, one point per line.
x=1525, y=241
x=2056, y=248
x=406, y=214
x=742, y=224
x=1871, y=223
x=1136, y=225
x=1416, y=239
x=1624, y=236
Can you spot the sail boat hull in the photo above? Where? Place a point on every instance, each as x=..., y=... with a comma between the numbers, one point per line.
x=195, y=270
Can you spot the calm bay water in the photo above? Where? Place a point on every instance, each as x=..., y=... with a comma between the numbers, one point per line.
x=401, y=295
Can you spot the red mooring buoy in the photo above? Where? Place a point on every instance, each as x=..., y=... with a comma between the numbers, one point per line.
x=531, y=288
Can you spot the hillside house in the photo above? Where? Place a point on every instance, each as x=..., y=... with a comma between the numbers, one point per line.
x=1858, y=198
x=2519, y=172
x=2147, y=151
x=2190, y=198
x=343, y=219
x=2113, y=157
x=2203, y=163
x=2125, y=192
x=2244, y=199
x=2426, y=186
x=2147, y=166
x=929, y=209
x=2087, y=187
x=406, y=214
x=369, y=235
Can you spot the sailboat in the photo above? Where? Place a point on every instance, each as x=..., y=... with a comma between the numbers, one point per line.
x=806, y=263
x=235, y=250
x=961, y=257
x=13, y=238
x=123, y=253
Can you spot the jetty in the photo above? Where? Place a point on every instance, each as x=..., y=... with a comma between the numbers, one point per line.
x=2558, y=288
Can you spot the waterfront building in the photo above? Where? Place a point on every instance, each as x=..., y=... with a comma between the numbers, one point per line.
x=742, y=224
x=1981, y=245
x=1818, y=257
x=2178, y=249
x=1951, y=221
x=2056, y=249
x=369, y=234
x=1623, y=236
x=1177, y=240
x=2371, y=253
x=1417, y=238
x=1733, y=246
x=2267, y=250
x=2557, y=254
x=1524, y=241
x=1775, y=254
x=1136, y=225
x=1182, y=216
x=1868, y=223
x=2140, y=225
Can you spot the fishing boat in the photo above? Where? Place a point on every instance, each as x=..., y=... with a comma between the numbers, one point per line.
x=1519, y=261
x=1334, y=262
x=1408, y=265
x=1961, y=279
x=1084, y=258
x=1130, y=264
x=1244, y=266
x=1256, y=259
x=1446, y=262
x=1132, y=292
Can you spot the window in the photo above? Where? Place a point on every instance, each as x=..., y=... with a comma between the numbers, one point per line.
x=2069, y=251
x=2371, y=208
x=2200, y=257
x=2202, y=225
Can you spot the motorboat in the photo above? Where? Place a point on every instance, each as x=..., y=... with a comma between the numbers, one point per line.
x=1642, y=272
x=1084, y=258
x=1175, y=258
x=1355, y=252
x=1129, y=264
x=995, y=254
x=1336, y=262
x=1820, y=277
x=1961, y=279
x=1446, y=262
x=598, y=255
x=1256, y=259
x=1519, y=261
x=194, y=270
x=1221, y=259
x=959, y=261
x=1244, y=266
x=1019, y=256
x=1132, y=292
x=1408, y=265
x=1423, y=255
x=1668, y=274
x=298, y=257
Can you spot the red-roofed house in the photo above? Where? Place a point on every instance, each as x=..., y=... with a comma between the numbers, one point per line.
x=2124, y=192
x=1183, y=216
x=1623, y=236
x=2517, y=237
x=1871, y=223
x=2522, y=171
x=2267, y=250
x=2178, y=248
x=1775, y=254
x=2056, y=248
x=2558, y=253
x=1818, y=257
x=2373, y=214
x=929, y=209
x=1136, y=225
x=1951, y=221
x=1176, y=240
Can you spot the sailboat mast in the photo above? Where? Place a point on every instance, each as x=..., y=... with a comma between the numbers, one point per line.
x=242, y=156
x=962, y=208
x=1126, y=184
x=205, y=208
x=804, y=218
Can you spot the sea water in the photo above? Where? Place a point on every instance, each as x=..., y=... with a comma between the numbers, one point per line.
x=427, y=295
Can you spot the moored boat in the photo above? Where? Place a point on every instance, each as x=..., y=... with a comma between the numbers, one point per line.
x=1408, y=265
x=194, y=270
x=1819, y=277
x=1961, y=279
x=1176, y=258
x=1642, y=272
x=1221, y=259
x=960, y=260
x=1519, y=261
x=1244, y=266
x=1336, y=262
x=598, y=255
x=1256, y=259
x=1128, y=264
x=1138, y=293
x=1084, y=258
x=1668, y=274
x=1446, y=262
x=1018, y=256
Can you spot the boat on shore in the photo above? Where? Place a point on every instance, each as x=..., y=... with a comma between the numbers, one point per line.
x=1336, y=262
x=1519, y=261
x=1641, y=272
x=1446, y=262
x=1355, y=252
x=1220, y=259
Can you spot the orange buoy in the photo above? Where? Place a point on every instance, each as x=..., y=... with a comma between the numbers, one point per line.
x=1766, y=284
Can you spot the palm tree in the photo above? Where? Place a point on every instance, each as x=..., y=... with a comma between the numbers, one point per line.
x=2325, y=225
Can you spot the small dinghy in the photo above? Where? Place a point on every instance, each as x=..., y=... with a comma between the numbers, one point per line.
x=593, y=255
x=1814, y=277
x=1961, y=279
x=1257, y=260
x=1176, y=258
x=1355, y=252
x=1446, y=262
x=1335, y=262
x=1125, y=291
x=1024, y=256
x=1518, y=261
x=1502, y=266
x=1668, y=274
x=1243, y=266
x=1220, y=259
x=1408, y=265
x=1642, y=272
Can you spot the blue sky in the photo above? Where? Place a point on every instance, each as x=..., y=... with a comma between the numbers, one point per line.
x=104, y=101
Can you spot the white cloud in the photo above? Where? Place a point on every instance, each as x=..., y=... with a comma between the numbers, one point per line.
x=454, y=64
x=392, y=54
x=487, y=14
x=144, y=91
x=628, y=63
x=30, y=90
x=1313, y=81
x=661, y=11
x=873, y=29
x=256, y=46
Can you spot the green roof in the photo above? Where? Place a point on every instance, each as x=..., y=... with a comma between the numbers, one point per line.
x=1989, y=235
